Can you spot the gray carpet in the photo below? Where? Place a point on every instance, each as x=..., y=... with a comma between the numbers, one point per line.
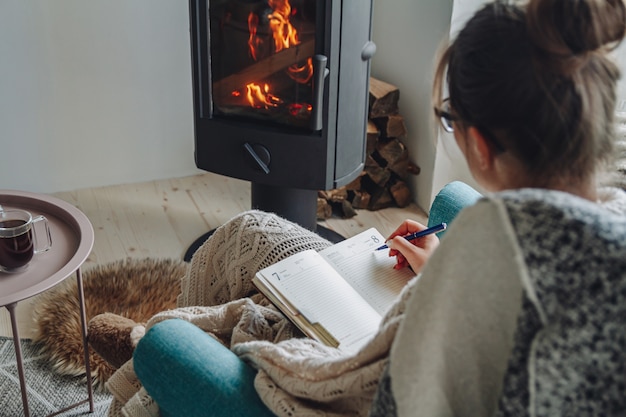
x=47, y=392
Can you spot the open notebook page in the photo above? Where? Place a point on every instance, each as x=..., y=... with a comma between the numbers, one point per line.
x=322, y=296
x=368, y=271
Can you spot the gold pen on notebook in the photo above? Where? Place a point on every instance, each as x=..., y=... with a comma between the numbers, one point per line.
x=430, y=230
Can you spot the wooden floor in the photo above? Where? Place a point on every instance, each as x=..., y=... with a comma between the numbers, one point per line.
x=162, y=218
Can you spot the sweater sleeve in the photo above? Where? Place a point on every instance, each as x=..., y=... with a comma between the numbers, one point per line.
x=451, y=351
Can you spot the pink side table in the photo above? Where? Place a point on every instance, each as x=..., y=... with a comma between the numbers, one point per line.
x=72, y=241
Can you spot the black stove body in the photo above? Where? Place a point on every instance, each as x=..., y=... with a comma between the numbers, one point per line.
x=280, y=92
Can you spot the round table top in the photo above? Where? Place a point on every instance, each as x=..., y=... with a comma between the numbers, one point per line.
x=72, y=241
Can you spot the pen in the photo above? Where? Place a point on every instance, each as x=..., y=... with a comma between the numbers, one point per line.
x=430, y=230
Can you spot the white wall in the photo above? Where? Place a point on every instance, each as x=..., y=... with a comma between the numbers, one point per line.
x=408, y=34
x=99, y=92
x=449, y=164
x=93, y=93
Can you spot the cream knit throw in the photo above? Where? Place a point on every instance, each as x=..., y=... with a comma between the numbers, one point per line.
x=222, y=269
x=297, y=376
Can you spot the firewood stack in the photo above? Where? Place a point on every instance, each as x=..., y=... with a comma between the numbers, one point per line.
x=387, y=166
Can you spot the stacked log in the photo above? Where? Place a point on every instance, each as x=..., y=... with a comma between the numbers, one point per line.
x=387, y=165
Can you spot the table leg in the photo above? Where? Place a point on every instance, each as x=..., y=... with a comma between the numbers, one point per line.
x=19, y=357
x=83, y=322
x=83, y=319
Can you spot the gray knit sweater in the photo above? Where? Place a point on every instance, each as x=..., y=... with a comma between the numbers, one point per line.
x=521, y=312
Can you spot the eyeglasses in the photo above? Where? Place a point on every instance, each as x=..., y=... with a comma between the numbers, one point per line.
x=446, y=118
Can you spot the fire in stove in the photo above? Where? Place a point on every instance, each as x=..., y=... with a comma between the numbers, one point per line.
x=266, y=73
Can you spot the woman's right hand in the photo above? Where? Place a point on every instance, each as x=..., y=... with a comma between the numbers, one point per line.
x=412, y=253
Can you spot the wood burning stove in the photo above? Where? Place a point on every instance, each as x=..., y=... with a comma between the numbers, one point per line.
x=281, y=95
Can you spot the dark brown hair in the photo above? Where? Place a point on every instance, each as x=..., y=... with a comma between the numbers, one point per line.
x=538, y=77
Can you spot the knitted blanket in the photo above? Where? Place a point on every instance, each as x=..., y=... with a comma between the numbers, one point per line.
x=296, y=375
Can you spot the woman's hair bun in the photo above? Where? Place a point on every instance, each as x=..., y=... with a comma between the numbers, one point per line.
x=575, y=27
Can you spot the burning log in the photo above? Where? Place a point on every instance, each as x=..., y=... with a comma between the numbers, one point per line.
x=266, y=67
x=387, y=164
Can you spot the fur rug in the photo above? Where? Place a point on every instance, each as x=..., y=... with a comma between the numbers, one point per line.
x=133, y=288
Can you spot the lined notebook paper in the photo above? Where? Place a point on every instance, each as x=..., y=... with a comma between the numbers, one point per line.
x=339, y=295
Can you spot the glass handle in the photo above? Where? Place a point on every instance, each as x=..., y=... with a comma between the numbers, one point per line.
x=48, y=236
x=319, y=76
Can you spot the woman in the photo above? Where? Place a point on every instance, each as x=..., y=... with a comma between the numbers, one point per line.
x=520, y=310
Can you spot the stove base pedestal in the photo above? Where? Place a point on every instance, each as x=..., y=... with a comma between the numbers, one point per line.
x=296, y=205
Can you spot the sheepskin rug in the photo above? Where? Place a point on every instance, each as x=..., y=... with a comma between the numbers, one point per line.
x=133, y=288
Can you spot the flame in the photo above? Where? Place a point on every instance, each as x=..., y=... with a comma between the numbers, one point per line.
x=301, y=74
x=253, y=40
x=283, y=32
x=261, y=97
x=285, y=35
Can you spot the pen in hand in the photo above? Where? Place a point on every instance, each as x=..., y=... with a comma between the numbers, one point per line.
x=412, y=236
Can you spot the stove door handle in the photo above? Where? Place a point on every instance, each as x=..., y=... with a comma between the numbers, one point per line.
x=260, y=155
x=320, y=72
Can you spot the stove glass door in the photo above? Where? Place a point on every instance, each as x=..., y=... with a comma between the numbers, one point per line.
x=263, y=62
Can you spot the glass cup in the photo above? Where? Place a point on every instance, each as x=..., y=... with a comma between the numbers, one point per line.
x=19, y=239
